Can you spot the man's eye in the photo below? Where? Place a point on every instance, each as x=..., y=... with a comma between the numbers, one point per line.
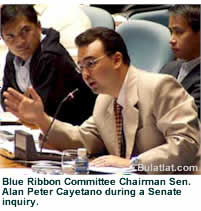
x=25, y=31
x=90, y=63
x=9, y=37
x=170, y=30
x=178, y=31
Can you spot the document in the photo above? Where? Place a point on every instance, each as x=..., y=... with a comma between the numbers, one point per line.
x=111, y=170
x=8, y=117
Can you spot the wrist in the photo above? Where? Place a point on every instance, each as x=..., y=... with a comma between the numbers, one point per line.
x=134, y=162
x=125, y=163
x=43, y=122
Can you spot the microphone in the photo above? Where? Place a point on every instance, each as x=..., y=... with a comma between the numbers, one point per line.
x=70, y=96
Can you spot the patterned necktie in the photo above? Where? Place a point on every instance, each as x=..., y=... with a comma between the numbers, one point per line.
x=119, y=128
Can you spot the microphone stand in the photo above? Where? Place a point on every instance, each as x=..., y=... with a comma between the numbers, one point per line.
x=70, y=96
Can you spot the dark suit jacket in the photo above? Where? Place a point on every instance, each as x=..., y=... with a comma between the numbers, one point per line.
x=191, y=82
x=53, y=75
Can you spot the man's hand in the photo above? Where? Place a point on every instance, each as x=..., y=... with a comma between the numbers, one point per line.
x=26, y=109
x=111, y=160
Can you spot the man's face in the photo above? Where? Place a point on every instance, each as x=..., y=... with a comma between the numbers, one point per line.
x=184, y=41
x=22, y=37
x=96, y=67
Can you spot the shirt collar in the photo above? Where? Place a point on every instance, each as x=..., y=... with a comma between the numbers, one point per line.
x=191, y=64
x=20, y=62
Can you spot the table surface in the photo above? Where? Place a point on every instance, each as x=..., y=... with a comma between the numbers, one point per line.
x=7, y=163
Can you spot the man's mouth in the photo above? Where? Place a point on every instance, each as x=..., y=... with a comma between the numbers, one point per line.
x=23, y=49
x=92, y=84
x=175, y=49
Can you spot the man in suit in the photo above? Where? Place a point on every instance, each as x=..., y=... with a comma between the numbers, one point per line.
x=36, y=58
x=184, y=24
x=160, y=127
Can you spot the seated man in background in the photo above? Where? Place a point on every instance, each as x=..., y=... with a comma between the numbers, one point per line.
x=70, y=21
x=137, y=113
x=3, y=52
x=184, y=24
x=36, y=58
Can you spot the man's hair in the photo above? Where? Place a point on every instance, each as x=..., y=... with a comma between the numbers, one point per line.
x=111, y=40
x=10, y=13
x=190, y=12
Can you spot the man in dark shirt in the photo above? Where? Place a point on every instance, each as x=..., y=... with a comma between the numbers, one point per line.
x=36, y=58
x=184, y=24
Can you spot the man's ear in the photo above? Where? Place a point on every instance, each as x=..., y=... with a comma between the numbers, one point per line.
x=117, y=59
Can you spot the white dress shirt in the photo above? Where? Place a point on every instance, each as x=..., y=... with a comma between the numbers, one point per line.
x=22, y=73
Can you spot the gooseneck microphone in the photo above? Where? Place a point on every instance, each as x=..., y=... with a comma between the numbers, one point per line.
x=70, y=96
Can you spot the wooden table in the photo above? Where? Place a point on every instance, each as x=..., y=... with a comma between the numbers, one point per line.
x=7, y=163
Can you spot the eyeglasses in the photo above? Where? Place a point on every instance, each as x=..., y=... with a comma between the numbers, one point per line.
x=88, y=64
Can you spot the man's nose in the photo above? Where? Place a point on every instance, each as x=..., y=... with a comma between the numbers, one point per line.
x=172, y=40
x=85, y=73
x=20, y=42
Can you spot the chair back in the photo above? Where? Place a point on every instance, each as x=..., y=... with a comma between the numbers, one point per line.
x=157, y=16
x=99, y=17
x=147, y=43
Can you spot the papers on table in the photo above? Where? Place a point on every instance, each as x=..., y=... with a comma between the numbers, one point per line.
x=8, y=117
x=9, y=145
x=13, y=128
x=111, y=170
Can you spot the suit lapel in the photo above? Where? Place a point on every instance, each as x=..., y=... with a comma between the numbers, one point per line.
x=190, y=78
x=131, y=112
x=131, y=124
